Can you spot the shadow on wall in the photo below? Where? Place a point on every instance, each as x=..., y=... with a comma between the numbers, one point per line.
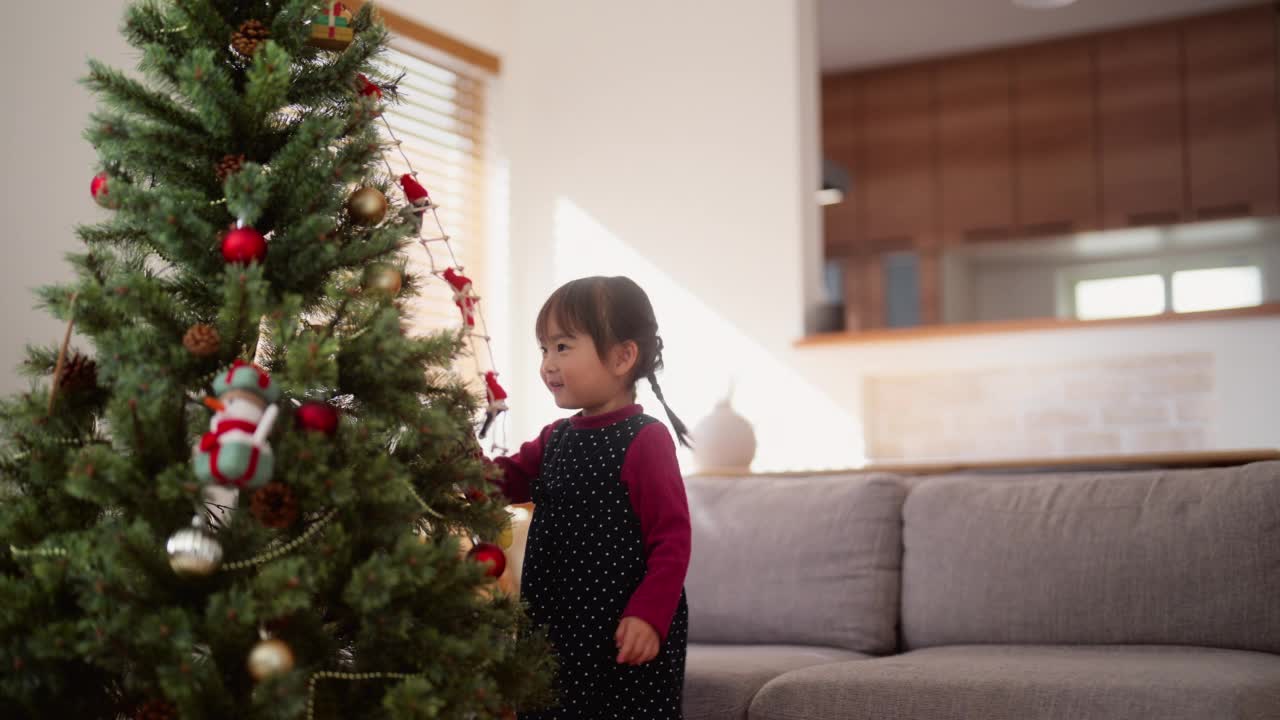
x=797, y=424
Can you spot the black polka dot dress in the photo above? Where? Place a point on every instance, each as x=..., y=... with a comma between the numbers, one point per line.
x=583, y=560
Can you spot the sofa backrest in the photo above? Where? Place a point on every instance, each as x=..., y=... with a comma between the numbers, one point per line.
x=1188, y=557
x=809, y=560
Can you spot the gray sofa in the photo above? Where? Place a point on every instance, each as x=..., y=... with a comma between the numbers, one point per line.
x=1125, y=595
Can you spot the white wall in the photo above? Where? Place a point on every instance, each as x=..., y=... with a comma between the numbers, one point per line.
x=1243, y=383
x=47, y=165
x=673, y=142
x=676, y=143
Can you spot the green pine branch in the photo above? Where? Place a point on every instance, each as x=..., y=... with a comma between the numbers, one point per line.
x=133, y=97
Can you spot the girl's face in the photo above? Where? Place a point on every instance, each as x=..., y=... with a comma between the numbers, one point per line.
x=576, y=376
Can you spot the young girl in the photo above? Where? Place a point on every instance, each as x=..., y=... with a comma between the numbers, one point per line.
x=608, y=547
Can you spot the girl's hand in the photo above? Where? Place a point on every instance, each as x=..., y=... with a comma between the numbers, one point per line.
x=637, y=641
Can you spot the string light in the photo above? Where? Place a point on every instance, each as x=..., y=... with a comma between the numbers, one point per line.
x=283, y=550
x=329, y=675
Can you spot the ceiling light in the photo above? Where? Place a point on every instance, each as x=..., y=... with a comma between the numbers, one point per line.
x=1043, y=4
x=830, y=196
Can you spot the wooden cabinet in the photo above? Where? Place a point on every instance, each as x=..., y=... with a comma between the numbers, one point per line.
x=1140, y=128
x=1152, y=126
x=840, y=228
x=840, y=135
x=1231, y=113
x=1054, y=140
x=975, y=148
x=864, y=293
x=894, y=182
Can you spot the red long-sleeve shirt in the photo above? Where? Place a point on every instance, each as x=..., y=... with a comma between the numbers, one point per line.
x=656, y=489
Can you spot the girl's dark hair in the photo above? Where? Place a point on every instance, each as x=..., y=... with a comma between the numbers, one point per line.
x=612, y=310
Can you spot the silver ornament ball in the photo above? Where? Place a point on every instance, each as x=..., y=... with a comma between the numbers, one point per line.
x=194, y=551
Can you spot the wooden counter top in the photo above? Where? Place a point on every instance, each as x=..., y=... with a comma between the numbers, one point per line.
x=1136, y=461
x=929, y=332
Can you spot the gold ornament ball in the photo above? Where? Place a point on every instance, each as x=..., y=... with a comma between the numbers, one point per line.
x=383, y=278
x=367, y=206
x=269, y=658
x=194, y=551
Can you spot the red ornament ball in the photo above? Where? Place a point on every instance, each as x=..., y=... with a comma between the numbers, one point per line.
x=492, y=555
x=243, y=245
x=98, y=188
x=318, y=417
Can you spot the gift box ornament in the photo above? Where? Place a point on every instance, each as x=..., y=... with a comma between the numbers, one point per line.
x=331, y=29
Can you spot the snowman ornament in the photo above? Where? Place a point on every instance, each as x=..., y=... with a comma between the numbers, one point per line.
x=235, y=453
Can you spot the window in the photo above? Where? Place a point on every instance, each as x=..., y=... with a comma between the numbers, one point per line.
x=1130, y=296
x=441, y=123
x=1217, y=288
x=902, y=289
x=1197, y=283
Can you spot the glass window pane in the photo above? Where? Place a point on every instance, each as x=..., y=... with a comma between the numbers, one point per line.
x=1217, y=288
x=902, y=289
x=1119, y=297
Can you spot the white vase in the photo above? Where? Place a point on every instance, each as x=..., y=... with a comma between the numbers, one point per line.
x=723, y=442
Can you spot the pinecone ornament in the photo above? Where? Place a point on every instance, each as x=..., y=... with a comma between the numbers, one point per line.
x=201, y=340
x=251, y=34
x=80, y=373
x=155, y=710
x=275, y=506
x=229, y=165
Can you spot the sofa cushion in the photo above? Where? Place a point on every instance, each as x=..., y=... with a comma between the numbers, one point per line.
x=721, y=680
x=1186, y=557
x=809, y=560
x=1008, y=682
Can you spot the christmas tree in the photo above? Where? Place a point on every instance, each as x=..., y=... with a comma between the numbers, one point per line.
x=254, y=494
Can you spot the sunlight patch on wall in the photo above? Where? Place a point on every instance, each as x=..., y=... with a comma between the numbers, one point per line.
x=797, y=426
